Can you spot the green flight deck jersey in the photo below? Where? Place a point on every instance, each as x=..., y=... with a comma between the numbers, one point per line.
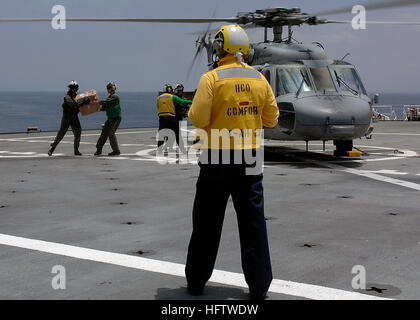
x=112, y=106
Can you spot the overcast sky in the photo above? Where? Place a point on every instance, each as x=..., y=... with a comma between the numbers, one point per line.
x=144, y=56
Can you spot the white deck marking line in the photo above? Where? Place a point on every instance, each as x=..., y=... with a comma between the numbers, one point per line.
x=374, y=176
x=375, y=147
x=83, y=135
x=303, y=290
x=45, y=141
x=397, y=134
x=368, y=174
x=24, y=157
x=391, y=172
x=381, y=159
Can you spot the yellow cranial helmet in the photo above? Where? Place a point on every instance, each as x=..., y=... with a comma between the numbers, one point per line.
x=232, y=39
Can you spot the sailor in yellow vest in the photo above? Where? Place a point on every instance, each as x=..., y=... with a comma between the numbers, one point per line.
x=235, y=99
x=167, y=115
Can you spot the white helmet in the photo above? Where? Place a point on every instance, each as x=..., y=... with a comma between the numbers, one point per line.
x=73, y=84
x=179, y=87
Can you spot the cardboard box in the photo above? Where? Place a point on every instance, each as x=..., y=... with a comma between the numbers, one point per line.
x=93, y=106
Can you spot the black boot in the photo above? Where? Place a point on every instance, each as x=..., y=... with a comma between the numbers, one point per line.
x=114, y=153
x=77, y=153
x=258, y=296
x=51, y=151
x=98, y=153
x=195, y=291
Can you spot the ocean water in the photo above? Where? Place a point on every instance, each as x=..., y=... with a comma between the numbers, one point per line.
x=19, y=110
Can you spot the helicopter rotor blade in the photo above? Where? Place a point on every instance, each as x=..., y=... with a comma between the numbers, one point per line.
x=246, y=26
x=157, y=20
x=201, y=45
x=197, y=54
x=200, y=48
x=402, y=23
x=372, y=6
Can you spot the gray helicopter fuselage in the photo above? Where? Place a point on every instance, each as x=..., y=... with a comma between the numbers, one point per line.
x=324, y=117
x=318, y=99
x=280, y=53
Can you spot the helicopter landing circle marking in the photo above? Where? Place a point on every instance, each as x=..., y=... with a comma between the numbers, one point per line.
x=148, y=155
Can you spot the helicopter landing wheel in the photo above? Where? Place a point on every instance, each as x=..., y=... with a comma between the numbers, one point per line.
x=342, y=147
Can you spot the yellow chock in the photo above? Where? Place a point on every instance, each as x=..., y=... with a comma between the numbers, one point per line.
x=354, y=153
x=32, y=129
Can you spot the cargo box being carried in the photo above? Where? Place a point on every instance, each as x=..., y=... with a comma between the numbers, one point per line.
x=93, y=106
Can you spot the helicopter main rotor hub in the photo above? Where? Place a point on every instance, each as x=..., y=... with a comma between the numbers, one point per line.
x=275, y=17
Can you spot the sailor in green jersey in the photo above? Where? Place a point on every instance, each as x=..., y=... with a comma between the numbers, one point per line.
x=167, y=114
x=113, y=111
x=180, y=110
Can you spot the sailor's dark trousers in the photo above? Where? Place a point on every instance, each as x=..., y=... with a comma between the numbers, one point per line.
x=108, y=131
x=214, y=186
x=66, y=122
x=170, y=123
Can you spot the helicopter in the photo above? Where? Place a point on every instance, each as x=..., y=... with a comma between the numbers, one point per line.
x=319, y=99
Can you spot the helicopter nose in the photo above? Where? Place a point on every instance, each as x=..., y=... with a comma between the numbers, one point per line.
x=332, y=117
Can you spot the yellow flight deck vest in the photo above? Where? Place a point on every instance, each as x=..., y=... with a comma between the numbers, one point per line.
x=166, y=105
x=236, y=100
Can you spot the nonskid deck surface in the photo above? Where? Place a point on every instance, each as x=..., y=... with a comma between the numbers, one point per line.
x=120, y=226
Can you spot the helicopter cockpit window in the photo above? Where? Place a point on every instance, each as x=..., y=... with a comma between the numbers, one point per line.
x=322, y=79
x=289, y=80
x=267, y=75
x=348, y=80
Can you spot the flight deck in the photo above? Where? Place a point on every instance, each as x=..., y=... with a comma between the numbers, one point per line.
x=119, y=226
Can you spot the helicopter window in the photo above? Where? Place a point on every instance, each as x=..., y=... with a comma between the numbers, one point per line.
x=347, y=79
x=322, y=79
x=289, y=80
x=267, y=75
